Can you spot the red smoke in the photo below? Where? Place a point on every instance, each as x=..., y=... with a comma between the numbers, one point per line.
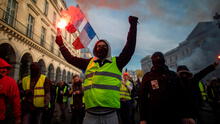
x=74, y=14
x=114, y=4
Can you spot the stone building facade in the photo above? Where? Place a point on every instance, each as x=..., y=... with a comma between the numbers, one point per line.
x=200, y=49
x=27, y=34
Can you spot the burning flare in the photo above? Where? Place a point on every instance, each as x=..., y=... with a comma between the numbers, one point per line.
x=62, y=23
x=218, y=57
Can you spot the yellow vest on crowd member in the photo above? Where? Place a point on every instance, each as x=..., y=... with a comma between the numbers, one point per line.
x=65, y=98
x=39, y=93
x=124, y=91
x=203, y=91
x=71, y=98
x=102, y=85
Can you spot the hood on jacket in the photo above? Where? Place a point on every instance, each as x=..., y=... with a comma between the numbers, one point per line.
x=183, y=71
x=4, y=67
x=158, y=60
x=108, y=54
x=4, y=64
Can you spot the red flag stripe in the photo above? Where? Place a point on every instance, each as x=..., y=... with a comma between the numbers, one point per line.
x=77, y=44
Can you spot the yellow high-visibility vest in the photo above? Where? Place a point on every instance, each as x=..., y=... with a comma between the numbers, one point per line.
x=124, y=91
x=203, y=91
x=39, y=92
x=65, y=98
x=102, y=85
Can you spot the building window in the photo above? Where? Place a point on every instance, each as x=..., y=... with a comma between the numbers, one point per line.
x=54, y=18
x=59, y=54
x=43, y=36
x=30, y=26
x=70, y=36
x=11, y=11
x=52, y=43
x=34, y=1
x=46, y=8
x=55, y=1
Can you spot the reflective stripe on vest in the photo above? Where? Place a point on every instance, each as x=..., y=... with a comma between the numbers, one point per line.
x=124, y=91
x=104, y=74
x=39, y=93
x=102, y=85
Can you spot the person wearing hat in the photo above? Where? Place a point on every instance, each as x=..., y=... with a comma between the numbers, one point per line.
x=9, y=94
x=103, y=76
x=193, y=91
x=160, y=94
x=125, y=110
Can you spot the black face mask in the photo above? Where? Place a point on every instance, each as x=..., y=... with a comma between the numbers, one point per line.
x=158, y=60
x=35, y=70
x=101, y=52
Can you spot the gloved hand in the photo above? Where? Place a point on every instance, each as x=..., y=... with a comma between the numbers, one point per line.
x=216, y=64
x=133, y=20
x=59, y=39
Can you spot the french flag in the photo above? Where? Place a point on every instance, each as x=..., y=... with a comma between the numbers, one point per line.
x=85, y=36
x=79, y=21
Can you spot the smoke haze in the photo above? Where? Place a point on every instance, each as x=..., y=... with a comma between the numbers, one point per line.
x=188, y=11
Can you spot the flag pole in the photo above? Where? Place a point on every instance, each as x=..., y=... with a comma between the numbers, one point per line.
x=97, y=37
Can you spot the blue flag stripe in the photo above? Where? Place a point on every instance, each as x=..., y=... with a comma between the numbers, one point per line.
x=91, y=33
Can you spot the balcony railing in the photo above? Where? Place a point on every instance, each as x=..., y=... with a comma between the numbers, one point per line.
x=20, y=27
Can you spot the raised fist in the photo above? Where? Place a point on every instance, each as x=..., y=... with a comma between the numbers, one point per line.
x=133, y=20
x=59, y=40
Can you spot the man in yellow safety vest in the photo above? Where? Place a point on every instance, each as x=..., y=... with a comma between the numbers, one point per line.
x=103, y=76
x=36, y=95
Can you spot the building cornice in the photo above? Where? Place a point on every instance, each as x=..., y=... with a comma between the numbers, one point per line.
x=33, y=9
x=45, y=22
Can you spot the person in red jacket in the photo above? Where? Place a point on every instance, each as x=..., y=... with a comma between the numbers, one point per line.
x=9, y=94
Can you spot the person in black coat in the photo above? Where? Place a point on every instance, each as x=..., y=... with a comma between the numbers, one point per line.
x=160, y=94
x=192, y=98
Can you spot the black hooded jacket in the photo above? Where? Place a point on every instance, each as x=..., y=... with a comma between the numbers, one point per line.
x=192, y=98
x=159, y=97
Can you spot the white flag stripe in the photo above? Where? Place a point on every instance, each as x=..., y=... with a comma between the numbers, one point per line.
x=82, y=25
x=84, y=38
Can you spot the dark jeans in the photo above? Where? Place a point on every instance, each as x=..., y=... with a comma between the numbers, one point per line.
x=77, y=115
x=33, y=117
x=125, y=112
x=2, y=122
